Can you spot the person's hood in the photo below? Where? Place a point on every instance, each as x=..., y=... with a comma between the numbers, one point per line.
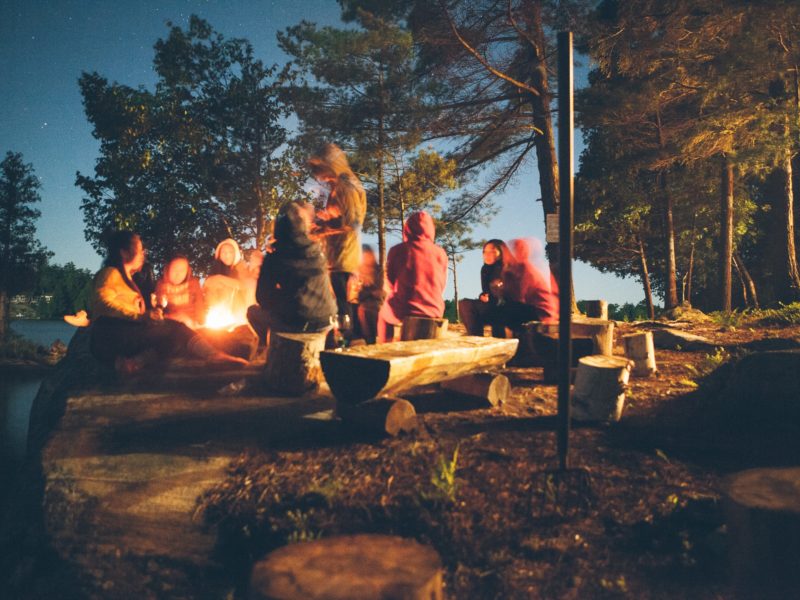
x=419, y=226
x=237, y=253
x=291, y=227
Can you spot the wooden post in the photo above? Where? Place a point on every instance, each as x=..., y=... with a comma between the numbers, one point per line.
x=348, y=567
x=422, y=328
x=600, y=384
x=639, y=348
x=597, y=309
x=293, y=362
x=762, y=513
x=566, y=195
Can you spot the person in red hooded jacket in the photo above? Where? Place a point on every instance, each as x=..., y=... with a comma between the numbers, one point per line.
x=416, y=271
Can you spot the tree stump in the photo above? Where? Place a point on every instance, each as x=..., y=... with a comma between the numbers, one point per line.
x=362, y=567
x=293, y=362
x=384, y=415
x=762, y=510
x=599, y=392
x=422, y=328
x=489, y=388
x=639, y=348
x=596, y=309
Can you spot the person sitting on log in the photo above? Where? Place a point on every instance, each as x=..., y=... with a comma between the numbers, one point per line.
x=126, y=335
x=525, y=294
x=371, y=294
x=416, y=271
x=294, y=291
x=179, y=295
x=226, y=284
x=475, y=314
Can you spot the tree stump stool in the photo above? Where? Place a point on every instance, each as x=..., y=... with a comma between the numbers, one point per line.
x=293, y=362
x=383, y=416
x=599, y=392
x=596, y=309
x=762, y=512
x=422, y=328
x=639, y=348
x=353, y=567
x=489, y=388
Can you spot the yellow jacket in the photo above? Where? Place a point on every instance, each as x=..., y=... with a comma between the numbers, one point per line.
x=113, y=297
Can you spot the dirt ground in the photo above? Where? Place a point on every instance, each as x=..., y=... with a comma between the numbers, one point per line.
x=638, y=515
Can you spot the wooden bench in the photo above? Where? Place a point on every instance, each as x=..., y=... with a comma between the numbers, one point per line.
x=539, y=342
x=364, y=372
x=293, y=362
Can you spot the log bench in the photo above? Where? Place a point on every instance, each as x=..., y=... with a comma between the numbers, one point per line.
x=361, y=373
x=539, y=342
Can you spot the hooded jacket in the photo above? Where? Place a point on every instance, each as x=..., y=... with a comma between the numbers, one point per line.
x=237, y=270
x=294, y=287
x=417, y=271
x=183, y=299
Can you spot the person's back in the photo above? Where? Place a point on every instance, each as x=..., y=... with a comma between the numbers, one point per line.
x=417, y=271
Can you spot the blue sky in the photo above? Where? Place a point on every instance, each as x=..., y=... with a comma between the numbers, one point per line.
x=45, y=45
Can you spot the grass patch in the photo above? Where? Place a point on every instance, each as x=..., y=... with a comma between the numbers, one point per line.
x=786, y=314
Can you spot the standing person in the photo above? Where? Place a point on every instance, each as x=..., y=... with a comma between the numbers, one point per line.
x=416, y=271
x=124, y=333
x=294, y=289
x=339, y=224
x=475, y=314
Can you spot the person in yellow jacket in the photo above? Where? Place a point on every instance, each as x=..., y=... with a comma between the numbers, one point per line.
x=124, y=333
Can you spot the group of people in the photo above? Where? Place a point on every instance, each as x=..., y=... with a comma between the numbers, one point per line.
x=314, y=276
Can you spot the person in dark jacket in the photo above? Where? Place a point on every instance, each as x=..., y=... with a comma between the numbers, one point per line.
x=475, y=314
x=294, y=291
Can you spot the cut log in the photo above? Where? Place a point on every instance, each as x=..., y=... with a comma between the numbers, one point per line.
x=762, y=510
x=600, y=331
x=599, y=392
x=384, y=415
x=367, y=567
x=490, y=388
x=639, y=348
x=596, y=309
x=293, y=362
x=364, y=372
x=422, y=328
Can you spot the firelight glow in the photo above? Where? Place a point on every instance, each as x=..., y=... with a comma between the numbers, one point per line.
x=221, y=317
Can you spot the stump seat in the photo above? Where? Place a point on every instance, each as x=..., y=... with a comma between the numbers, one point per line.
x=422, y=328
x=363, y=567
x=293, y=366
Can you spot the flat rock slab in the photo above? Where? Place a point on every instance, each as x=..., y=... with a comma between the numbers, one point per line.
x=672, y=339
x=356, y=567
x=124, y=468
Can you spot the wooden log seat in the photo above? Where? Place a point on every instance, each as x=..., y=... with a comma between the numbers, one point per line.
x=364, y=372
x=363, y=567
x=293, y=366
x=490, y=389
x=639, y=348
x=382, y=416
x=600, y=384
x=539, y=341
x=596, y=309
x=762, y=513
x=422, y=328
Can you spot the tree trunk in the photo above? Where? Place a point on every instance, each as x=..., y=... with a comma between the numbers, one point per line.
x=792, y=286
x=726, y=234
x=4, y=311
x=648, y=291
x=455, y=288
x=671, y=287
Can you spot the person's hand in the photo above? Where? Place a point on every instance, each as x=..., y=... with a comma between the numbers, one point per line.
x=156, y=314
x=484, y=297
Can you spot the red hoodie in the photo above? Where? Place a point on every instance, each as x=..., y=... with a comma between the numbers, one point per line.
x=417, y=271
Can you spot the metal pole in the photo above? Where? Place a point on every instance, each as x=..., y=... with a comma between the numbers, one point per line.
x=565, y=160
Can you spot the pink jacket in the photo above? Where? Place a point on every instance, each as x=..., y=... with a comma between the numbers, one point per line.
x=417, y=271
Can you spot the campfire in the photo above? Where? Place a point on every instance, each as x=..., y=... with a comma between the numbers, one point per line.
x=220, y=316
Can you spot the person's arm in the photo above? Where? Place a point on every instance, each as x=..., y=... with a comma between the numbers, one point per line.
x=116, y=298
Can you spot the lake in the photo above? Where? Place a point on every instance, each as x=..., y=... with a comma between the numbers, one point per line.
x=17, y=391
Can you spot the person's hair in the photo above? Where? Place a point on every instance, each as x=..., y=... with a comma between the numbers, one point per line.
x=115, y=243
x=331, y=159
x=502, y=248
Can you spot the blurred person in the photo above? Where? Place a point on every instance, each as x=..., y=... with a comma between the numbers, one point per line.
x=371, y=294
x=475, y=314
x=226, y=286
x=179, y=294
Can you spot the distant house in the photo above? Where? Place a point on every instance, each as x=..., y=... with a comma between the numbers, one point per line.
x=21, y=299
x=45, y=298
